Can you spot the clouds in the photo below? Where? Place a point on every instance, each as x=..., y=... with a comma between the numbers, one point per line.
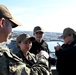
x=52, y=15
x=54, y=20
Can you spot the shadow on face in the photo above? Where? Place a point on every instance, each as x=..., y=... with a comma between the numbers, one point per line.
x=5, y=29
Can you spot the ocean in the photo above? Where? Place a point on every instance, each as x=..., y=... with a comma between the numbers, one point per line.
x=51, y=44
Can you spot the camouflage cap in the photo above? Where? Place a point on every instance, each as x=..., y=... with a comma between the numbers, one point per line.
x=67, y=31
x=38, y=29
x=4, y=12
x=24, y=37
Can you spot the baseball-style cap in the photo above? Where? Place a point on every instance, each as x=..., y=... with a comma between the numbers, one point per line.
x=24, y=37
x=4, y=12
x=67, y=31
x=38, y=29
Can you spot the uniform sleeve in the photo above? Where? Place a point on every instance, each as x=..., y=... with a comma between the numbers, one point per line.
x=3, y=65
x=41, y=67
x=59, y=53
x=10, y=64
x=47, y=48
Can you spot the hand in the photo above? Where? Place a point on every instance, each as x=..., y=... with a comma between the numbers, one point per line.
x=57, y=47
x=43, y=53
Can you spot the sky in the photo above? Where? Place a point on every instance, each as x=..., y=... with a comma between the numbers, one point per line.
x=51, y=15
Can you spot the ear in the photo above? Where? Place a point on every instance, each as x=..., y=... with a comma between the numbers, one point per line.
x=18, y=44
x=2, y=22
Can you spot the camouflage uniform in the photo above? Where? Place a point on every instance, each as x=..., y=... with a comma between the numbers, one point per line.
x=31, y=59
x=10, y=64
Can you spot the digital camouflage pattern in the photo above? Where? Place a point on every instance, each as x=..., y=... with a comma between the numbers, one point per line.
x=10, y=64
x=29, y=60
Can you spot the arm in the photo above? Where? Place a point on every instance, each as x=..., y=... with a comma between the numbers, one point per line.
x=41, y=67
x=14, y=65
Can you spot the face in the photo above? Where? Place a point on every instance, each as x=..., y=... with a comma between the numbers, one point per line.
x=68, y=39
x=25, y=46
x=5, y=29
x=38, y=35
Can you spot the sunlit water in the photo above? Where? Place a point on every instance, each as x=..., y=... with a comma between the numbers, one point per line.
x=51, y=45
